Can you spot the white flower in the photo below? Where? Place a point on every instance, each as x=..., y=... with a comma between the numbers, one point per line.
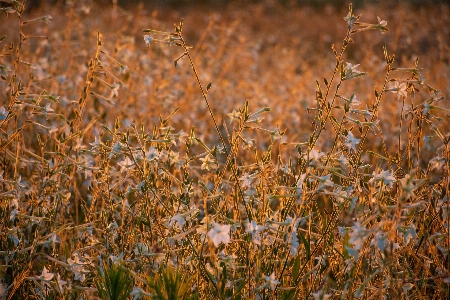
x=384, y=176
x=319, y=295
x=234, y=116
x=351, y=19
x=408, y=233
x=248, y=143
x=148, y=39
x=60, y=283
x=352, y=102
x=313, y=157
x=137, y=293
x=208, y=162
x=179, y=219
x=114, y=90
x=352, y=68
x=77, y=267
x=247, y=180
x=325, y=181
x=142, y=249
x=382, y=25
x=271, y=281
x=220, y=234
x=125, y=164
x=276, y=135
x=173, y=157
x=408, y=187
x=293, y=242
x=399, y=88
x=357, y=236
x=46, y=275
x=254, y=229
x=351, y=141
x=343, y=160
x=351, y=71
x=152, y=154
x=3, y=113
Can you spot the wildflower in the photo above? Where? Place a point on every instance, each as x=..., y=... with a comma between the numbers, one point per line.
x=3, y=113
x=152, y=154
x=353, y=101
x=247, y=179
x=220, y=234
x=293, y=241
x=399, y=88
x=46, y=275
x=351, y=141
x=254, y=229
x=384, y=176
x=300, y=183
x=319, y=295
x=148, y=39
x=54, y=239
x=357, y=234
x=15, y=211
x=248, y=143
x=114, y=90
x=208, y=162
x=380, y=240
x=408, y=186
x=142, y=249
x=52, y=129
x=314, y=157
x=276, y=135
x=234, y=116
x=60, y=283
x=368, y=114
x=408, y=233
x=343, y=160
x=351, y=19
x=351, y=71
x=48, y=109
x=271, y=281
x=125, y=164
x=116, y=149
x=179, y=219
x=382, y=25
x=47, y=19
x=137, y=293
x=173, y=157
x=325, y=181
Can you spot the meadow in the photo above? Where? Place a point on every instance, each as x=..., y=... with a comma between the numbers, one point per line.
x=242, y=151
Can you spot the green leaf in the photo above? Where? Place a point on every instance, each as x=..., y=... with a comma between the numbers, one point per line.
x=296, y=267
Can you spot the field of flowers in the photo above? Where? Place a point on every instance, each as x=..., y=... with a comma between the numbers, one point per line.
x=242, y=151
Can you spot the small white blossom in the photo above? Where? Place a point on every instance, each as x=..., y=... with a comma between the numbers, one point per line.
x=179, y=219
x=219, y=234
x=253, y=228
x=148, y=39
x=46, y=275
x=125, y=164
x=386, y=177
x=351, y=141
x=271, y=281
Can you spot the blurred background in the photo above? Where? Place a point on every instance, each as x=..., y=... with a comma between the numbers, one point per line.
x=270, y=53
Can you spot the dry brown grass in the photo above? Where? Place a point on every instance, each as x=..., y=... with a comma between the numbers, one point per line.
x=84, y=104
